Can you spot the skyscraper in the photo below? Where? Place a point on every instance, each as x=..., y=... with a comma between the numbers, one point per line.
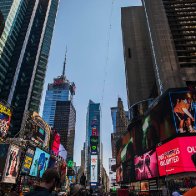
x=24, y=50
x=64, y=124
x=59, y=90
x=140, y=77
x=120, y=124
x=93, y=144
x=171, y=27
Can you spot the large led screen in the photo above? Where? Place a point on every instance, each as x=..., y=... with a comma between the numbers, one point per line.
x=94, y=168
x=112, y=171
x=56, y=143
x=5, y=118
x=146, y=166
x=184, y=111
x=40, y=163
x=177, y=156
x=12, y=165
x=27, y=161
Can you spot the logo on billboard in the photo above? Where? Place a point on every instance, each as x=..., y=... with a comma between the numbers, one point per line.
x=94, y=140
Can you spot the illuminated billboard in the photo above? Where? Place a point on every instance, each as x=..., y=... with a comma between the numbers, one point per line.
x=40, y=163
x=12, y=165
x=56, y=143
x=94, y=141
x=5, y=118
x=41, y=131
x=94, y=169
x=184, y=111
x=119, y=174
x=146, y=166
x=27, y=161
x=176, y=156
x=112, y=171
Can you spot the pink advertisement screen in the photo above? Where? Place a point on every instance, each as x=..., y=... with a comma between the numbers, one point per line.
x=146, y=166
x=176, y=156
x=56, y=144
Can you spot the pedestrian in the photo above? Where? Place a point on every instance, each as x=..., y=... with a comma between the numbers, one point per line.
x=78, y=190
x=83, y=180
x=13, y=191
x=49, y=181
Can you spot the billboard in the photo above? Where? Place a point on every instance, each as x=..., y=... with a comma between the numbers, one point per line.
x=3, y=156
x=40, y=131
x=146, y=166
x=56, y=143
x=27, y=161
x=94, y=169
x=112, y=171
x=119, y=174
x=5, y=118
x=94, y=141
x=40, y=163
x=176, y=156
x=184, y=111
x=12, y=165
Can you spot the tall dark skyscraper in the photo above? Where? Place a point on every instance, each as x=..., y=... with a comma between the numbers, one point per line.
x=64, y=123
x=24, y=50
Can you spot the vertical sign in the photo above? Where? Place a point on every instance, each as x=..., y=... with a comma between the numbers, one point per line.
x=112, y=171
x=94, y=168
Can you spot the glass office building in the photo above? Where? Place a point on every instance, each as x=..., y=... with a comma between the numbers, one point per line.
x=57, y=91
x=114, y=114
x=24, y=50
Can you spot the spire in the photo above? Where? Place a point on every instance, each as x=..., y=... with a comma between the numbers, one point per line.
x=64, y=64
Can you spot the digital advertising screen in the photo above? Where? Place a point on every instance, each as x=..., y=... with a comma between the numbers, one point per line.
x=27, y=161
x=3, y=156
x=144, y=186
x=119, y=174
x=5, y=118
x=112, y=170
x=56, y=144
x=12, y=165
x=184, y=111
x=94, y=168
x=146, y=166
x=177, y=156
x=94, y=141
x=40, y=163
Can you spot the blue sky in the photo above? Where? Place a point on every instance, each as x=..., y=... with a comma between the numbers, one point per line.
x=83, y=25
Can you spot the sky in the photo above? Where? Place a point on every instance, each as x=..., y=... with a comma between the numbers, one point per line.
x=91, y=30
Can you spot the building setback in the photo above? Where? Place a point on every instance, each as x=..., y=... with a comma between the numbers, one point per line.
x=24, y=50
x=140, y=77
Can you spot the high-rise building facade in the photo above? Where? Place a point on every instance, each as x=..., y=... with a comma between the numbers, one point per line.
x=64, y=124
x=57, y=91
x=120, y=123
x=171, y=27
x=140, y=77
x=93, y=144
x=24, y=50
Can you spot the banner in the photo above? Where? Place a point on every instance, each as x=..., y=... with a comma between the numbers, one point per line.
x=94, y=169
x=177, y=156
x=27, y=161
x=40, y=163
x=146, y=166
x=5, y=118
x=112, y=171
x=12, y=165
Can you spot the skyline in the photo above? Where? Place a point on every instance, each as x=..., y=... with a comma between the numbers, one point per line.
x=89, y=49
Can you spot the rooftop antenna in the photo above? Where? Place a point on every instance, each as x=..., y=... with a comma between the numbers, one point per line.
x=64, y=64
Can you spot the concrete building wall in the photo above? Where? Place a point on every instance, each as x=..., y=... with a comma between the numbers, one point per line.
x=140, y=77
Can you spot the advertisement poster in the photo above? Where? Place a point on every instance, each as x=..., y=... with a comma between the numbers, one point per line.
x=3, y=156
x=94, y=168
x=56, y=143
x=146, y=166
x=184, y=111
x=112, y=171
x=5, y=118
x=27, y=161
x=177, y=156
x=41, y=131
x=12, y=165
x=40, y=163
x=119, y=174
